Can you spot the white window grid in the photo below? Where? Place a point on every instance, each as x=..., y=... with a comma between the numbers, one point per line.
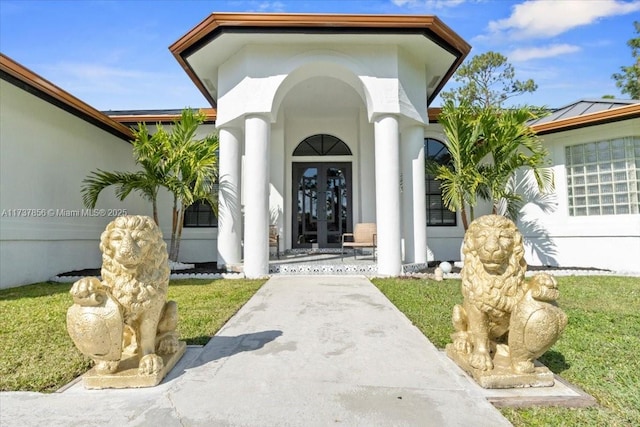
x=603, y=178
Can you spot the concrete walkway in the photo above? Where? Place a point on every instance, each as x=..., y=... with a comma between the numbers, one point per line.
x=304, y=351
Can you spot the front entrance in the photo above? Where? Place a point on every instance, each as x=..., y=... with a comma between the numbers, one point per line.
x=322, y=200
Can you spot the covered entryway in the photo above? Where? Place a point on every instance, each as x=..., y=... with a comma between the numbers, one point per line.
x=276, y=79
x=322, y=194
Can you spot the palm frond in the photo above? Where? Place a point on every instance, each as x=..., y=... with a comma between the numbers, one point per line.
x=98, y=180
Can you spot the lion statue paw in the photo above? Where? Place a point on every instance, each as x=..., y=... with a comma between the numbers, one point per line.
x=150, y=364
x=481, y=361
x=107, y=366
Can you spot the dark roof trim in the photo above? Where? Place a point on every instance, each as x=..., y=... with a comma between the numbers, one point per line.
x=598, y=118
x=130, y=117
x=218, y=23
x=133, y=117
x=29, y=81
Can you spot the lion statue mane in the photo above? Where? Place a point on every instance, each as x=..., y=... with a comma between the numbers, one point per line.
x=132, y=292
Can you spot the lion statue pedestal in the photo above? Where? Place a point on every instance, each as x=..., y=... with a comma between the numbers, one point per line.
x=504, y=323
x=124, y=322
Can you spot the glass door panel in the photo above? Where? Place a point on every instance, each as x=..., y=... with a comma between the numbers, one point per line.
x=307, y=215
x=336, y=204
x=322, y=194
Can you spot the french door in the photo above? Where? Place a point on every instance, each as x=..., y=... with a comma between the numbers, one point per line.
x=321, y=204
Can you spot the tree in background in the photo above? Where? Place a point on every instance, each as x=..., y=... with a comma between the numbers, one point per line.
x=628, y=80
x=489, y=145
x=488, y=80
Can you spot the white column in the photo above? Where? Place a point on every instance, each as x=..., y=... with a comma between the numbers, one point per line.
x=387, y=164
x=414, y=210
x=256, y=196
x=229, y=209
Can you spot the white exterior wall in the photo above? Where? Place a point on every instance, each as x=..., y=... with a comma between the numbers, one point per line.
x=257, y=78
x=46, y=152
x=605, y=241
x=366, y=173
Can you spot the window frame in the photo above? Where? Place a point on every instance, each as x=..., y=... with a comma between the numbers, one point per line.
x=321, y=144
x=445, y=213
x=196, y=209
x=603, y=177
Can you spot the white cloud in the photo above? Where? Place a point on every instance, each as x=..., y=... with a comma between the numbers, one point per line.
x=544, y=18
x=271, y=6
x=428, y=4
x=257, y=6
x=95, y=82
x=528, y=53
x=97, y=72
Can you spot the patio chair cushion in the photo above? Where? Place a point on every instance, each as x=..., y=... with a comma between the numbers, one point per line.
x=365, y=235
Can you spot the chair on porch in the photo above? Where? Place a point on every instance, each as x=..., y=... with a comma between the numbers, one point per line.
x=365, y=235
x=274, y=239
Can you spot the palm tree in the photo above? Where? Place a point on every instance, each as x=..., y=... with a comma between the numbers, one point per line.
x=461, y=179
x=147, y=181
x=488, y=147
x=198, y=175
x=514, y=147
x=187, y=167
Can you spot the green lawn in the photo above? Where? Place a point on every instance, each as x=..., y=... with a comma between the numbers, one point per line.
x=38, y=355
x=599, y=350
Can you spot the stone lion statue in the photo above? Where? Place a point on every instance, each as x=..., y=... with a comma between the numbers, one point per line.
x=500, y=309
x=126, y=312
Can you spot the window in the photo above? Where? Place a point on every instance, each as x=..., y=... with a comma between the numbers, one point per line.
x=437, y=213
x=322, y=145
x=200, y=214
x=603, y=178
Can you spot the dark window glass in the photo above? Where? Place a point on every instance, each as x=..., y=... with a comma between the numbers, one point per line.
x=322, y=145
x=200, y=214
x=437, y=213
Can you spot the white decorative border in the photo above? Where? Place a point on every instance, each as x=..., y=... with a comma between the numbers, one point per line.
x=316, y=269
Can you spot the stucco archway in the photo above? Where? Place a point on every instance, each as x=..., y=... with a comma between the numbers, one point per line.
x=315, y=103
x=324, y=65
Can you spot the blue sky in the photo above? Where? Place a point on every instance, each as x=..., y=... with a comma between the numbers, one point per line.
x=114, y=54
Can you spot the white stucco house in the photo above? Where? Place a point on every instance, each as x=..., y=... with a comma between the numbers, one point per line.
x=594, y=218
x=324, y=121
x=332, y=104
x=49, y=142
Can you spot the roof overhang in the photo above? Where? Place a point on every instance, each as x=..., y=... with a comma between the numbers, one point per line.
x=159, y=116
x=29, y=81
x=222, y=34
x=598, y=118
x=134, y=117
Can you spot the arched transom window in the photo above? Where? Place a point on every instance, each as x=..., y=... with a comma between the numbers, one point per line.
x=322, y=145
